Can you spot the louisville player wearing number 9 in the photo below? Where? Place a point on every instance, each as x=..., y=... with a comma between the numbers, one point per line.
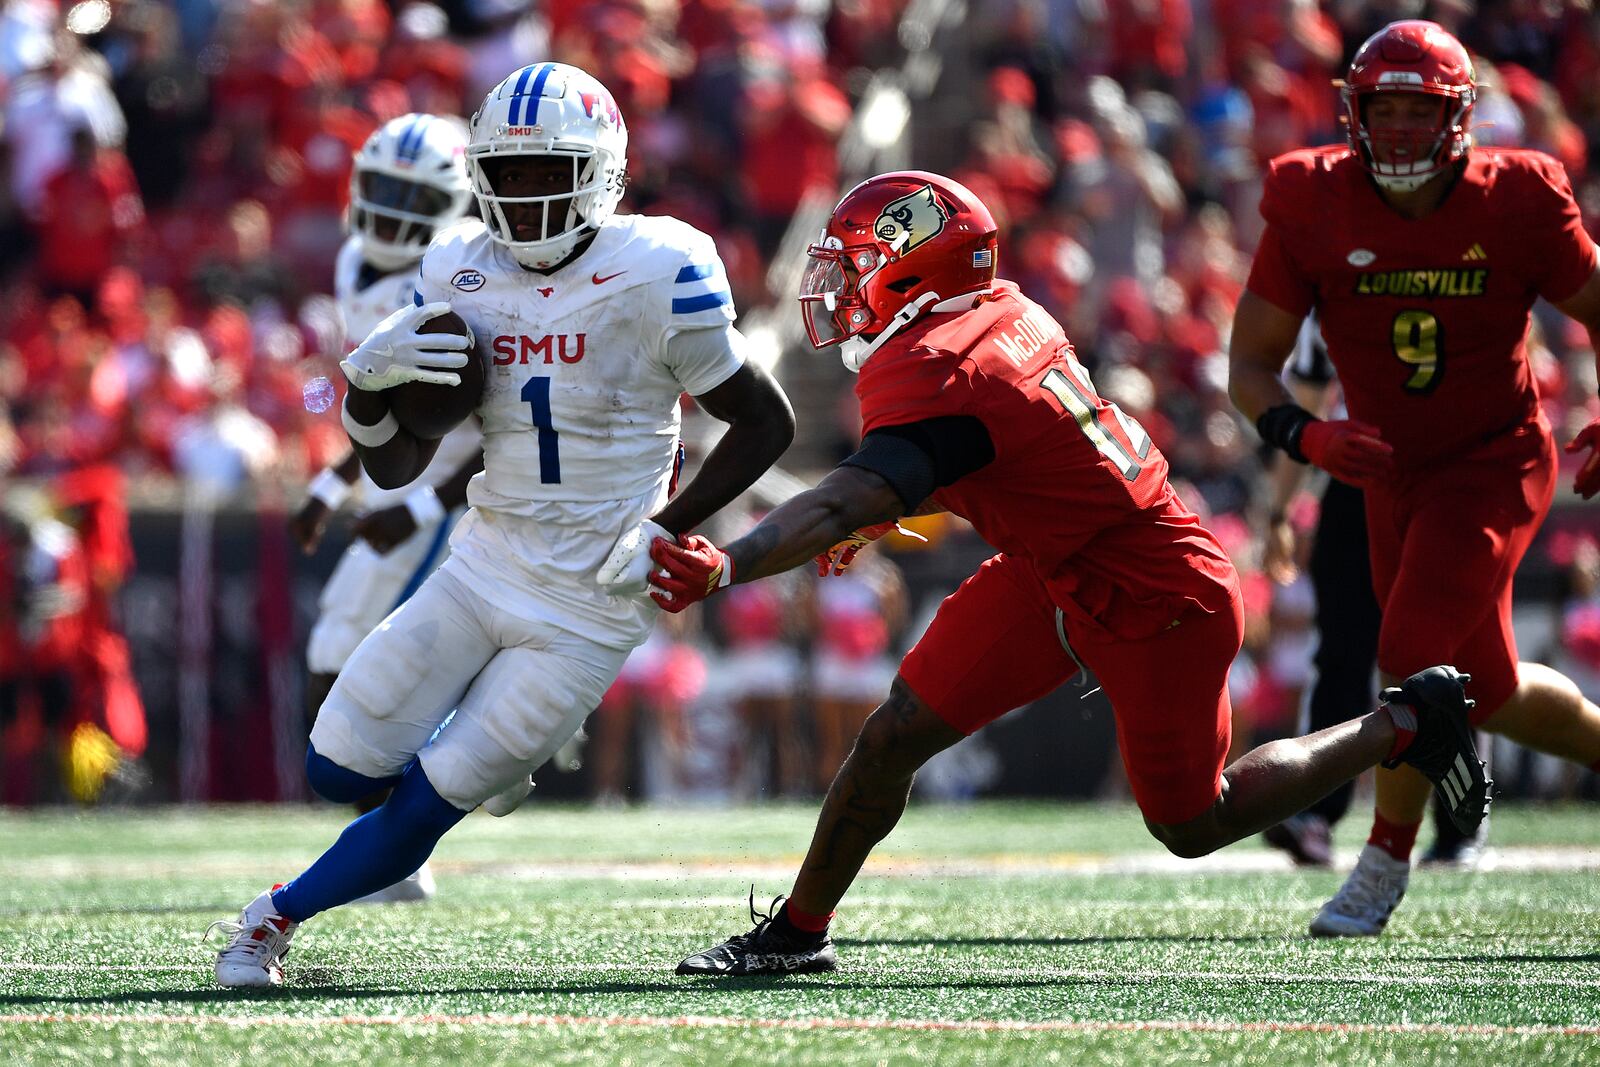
x=591, y=325
x=1423, y=256
x=973, y=401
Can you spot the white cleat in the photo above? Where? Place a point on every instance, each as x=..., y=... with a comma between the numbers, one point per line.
x=509, y=800
x=412, y=889
x=254, y=953
x=1362, y=906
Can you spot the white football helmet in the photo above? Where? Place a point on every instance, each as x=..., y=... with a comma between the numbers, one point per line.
x=409, y=182
x=550, y=109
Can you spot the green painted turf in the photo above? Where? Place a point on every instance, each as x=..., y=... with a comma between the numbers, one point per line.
x=986, y=917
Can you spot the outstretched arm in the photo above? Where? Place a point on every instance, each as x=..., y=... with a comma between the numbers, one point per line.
x=816, y=520
x=896, y=469
x=324, y=495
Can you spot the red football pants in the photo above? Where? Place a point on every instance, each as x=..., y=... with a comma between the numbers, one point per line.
x=997, y=643
x=1445, y=544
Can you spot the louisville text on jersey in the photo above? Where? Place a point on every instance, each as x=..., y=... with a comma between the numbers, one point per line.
x=1438, y=282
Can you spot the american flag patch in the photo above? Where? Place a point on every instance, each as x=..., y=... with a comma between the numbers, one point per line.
x=984, y=258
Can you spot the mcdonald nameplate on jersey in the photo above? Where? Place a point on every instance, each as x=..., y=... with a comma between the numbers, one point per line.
x=1410, y=283
x=1033, y=331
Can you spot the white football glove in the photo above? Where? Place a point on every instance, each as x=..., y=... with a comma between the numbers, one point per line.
x=626, y=571
x=394, y=352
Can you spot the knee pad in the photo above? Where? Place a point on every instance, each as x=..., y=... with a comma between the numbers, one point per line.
x=340, y=784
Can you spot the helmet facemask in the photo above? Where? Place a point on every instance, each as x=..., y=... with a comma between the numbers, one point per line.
x=397, y=215
x=832, y=304
x=560, y=220
x=1406, y=158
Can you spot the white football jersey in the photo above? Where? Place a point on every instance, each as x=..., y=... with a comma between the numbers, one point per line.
x=366, y=297
x=581, y=398
x=580, y=409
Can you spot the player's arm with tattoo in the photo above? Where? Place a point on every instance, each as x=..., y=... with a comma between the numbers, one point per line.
x=814, y=521
x=895, y=471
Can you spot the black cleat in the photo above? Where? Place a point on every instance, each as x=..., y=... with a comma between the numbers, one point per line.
x=763, y=951
x=1443, y=748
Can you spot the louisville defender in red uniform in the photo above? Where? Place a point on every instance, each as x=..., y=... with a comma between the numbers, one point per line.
x=1423, y=256
x=973, y=401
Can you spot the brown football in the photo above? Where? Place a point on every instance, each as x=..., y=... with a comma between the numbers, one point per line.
x=431, y=411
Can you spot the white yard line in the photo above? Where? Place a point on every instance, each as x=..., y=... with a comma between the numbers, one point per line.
x=689, y=1022
x=1234, y=861
x=1116, y=976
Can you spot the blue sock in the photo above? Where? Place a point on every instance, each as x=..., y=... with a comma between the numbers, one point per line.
x=340, y=784
x=377, y=850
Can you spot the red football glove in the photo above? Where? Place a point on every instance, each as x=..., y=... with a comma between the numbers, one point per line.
x=1350, y=451
x=1588, y=481
x=835, y=560
x=689, y=573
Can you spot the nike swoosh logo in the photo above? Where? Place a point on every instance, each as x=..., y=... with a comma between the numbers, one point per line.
x=599, y=280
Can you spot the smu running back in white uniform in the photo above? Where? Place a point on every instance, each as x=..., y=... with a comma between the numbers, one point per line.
x=408, y=180
x=585, y=359
x=477, y=679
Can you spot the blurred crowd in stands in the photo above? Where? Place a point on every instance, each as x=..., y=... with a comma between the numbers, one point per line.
x=173, y=178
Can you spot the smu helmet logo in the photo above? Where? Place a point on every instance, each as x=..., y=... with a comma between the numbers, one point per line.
x=908, y=222
x=467, y=280
x=603, y=104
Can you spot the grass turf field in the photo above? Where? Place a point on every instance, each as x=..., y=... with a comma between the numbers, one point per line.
x=994, y=933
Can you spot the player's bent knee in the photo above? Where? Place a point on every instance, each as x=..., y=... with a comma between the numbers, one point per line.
x=1187, y=840
x=902, y=735
x=340, y=784
x=1196, y=837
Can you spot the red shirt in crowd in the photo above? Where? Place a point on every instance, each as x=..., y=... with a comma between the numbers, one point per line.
x=87, y=218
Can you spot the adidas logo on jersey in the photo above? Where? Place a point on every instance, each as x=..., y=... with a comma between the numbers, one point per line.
x=1474, y=254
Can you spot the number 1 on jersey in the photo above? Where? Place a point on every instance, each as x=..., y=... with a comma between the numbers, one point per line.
x=1079, y=402
x=536, y=391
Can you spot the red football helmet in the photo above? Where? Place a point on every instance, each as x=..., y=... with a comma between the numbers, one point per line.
x=1410, y=57
x=895, y=244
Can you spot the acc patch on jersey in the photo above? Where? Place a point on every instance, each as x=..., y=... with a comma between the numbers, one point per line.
x=467, y=280
x=908, y=222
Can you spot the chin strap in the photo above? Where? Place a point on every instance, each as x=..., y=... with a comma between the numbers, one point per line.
x=1404, y=183
x=855, y=351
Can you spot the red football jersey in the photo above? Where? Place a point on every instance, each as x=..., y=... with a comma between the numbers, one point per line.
x=1075, y=486
x=1426, y=319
